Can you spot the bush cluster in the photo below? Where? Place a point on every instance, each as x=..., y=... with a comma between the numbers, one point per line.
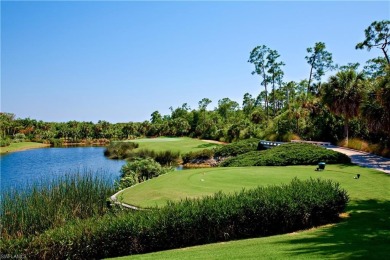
x=126, y=150
x=287, y=154
x=237, y=148
x=262, y=211
x=166, y=158
x=4, y=141
x=18, y=138
x=120, y=150
x=139, y=170
x=198, y=155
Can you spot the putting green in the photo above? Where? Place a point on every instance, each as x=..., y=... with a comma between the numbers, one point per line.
x=200, y=182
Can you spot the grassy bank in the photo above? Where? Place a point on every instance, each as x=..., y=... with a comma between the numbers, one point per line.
x=363, y=233
x=13, y=147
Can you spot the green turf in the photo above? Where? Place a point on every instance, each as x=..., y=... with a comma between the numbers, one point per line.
x=365, y=233
x=176, y=144
x=198, y=182
x=13, y=147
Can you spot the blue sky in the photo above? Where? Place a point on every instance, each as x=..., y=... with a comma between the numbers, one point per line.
x=120, y=61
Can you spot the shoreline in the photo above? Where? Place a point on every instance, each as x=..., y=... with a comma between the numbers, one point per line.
x=23, y=146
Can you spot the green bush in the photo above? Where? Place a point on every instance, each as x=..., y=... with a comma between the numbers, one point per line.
x=198, y=155
x=287, y=154
x=56, y=142
x=139, y=170
x=237, y=148
x=18, y=138
x=4, y=141
x=262, y=211
x=120, y=150
x=166, y=158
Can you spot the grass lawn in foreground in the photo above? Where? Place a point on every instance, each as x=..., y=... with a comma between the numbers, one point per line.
x=363, y=233
x=13, y=147
x=176, y=144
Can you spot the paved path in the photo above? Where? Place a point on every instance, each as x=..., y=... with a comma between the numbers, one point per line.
x=365, y=159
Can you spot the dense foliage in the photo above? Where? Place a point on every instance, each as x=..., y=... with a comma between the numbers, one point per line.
x=139, y=170
x=287, y=154
x=120, y=150
x=165, y=158
x=262, y=211
x=42, y=206
x=193, y=157
x=126, y=150
x=237, y=148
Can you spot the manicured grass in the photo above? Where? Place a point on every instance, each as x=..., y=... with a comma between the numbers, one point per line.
x=199, y=182
x=13, y=147
x=176, y=144
x=363, y=233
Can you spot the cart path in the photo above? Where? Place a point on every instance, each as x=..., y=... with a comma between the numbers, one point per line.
x=365, y=159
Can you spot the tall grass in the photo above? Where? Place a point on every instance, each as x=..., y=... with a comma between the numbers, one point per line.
x=361, y=145
x=120, y=150
x=41, y=206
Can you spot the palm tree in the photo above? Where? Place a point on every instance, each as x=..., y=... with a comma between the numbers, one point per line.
x=343, y=95
x=376, y=109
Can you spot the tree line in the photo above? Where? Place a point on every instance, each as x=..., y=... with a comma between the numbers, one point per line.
x=353, y=102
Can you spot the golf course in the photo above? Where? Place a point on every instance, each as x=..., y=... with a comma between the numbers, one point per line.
x=363, y=230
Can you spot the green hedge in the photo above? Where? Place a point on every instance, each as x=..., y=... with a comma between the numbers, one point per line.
x=139, y=170
x=262, y=211
x=236, y=148
x=287, y=154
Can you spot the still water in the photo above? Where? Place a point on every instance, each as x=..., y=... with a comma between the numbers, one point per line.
x=26, y=167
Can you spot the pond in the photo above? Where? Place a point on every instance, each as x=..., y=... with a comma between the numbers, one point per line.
x=26, y=167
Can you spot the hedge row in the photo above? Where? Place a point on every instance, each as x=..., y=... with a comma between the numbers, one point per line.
x=287, y=154
x=262, y=211
x=237, y=148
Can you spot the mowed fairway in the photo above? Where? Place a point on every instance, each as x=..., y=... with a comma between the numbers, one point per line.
x=363, y=232
x=175, y=144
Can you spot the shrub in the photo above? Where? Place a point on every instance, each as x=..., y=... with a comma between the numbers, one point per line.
x=139, y=170
x=237, y=148
x=165, y=158
x=287, y=154
x=262, y=211
x=19, y=137
x=120, y=150
x=198, y=155
x=56, y=142
x=4, y=141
